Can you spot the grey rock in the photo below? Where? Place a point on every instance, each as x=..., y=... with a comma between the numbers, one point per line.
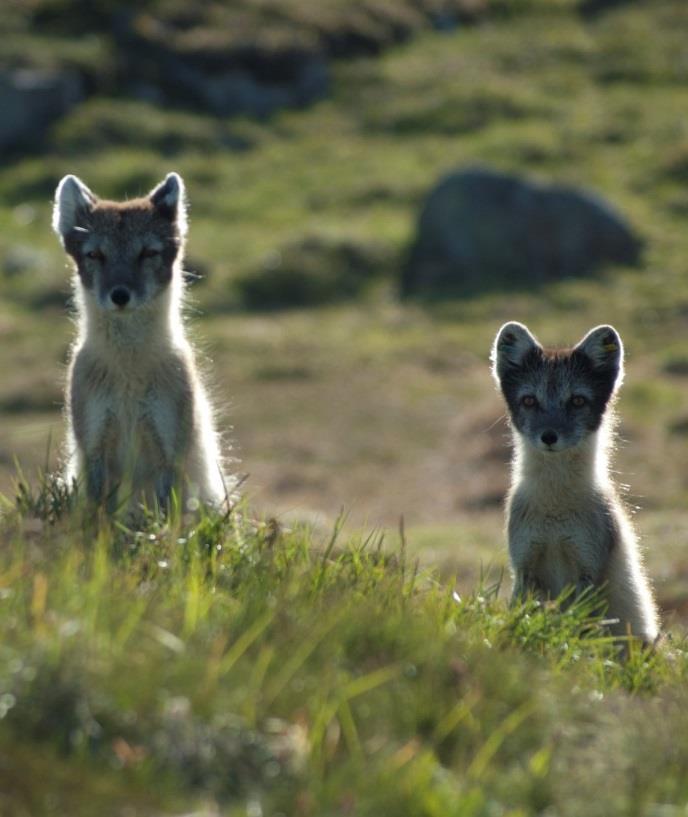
x=239, y=92
x=480, y=229
x=251, y=78
x=31, y=99
x=593, y=8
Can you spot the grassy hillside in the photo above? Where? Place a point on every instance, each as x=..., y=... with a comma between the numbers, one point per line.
x=376, y=406
x=228, y=667
x=235, y=668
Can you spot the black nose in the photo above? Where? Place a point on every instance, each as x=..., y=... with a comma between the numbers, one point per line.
x=549, y=437
x=120, y=296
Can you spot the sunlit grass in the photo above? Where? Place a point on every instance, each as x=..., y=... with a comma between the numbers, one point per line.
x=251, y=666
x=231, y=659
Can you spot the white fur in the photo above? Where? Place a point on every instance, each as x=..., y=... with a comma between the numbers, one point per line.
x=594, y=345
x=172, y=193
x=561, y=530
x=145, y=415
x=565, y=520
x=71, y=196
x=512, y=343
x=135, y=349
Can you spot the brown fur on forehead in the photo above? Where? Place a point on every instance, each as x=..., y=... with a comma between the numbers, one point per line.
x=133, y=217
x=126, y=225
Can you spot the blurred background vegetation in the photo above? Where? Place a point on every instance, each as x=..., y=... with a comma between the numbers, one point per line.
x=310, y=136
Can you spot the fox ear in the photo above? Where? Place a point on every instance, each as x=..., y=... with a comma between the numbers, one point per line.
x=169, y=199
x=73, y=201
x=603, y=346
x=512, y=344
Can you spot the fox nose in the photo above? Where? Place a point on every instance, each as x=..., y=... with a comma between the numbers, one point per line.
x=120, y=296
x=549, y=437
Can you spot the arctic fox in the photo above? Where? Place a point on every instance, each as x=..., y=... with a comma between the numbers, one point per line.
x=139, y=420
x=566, y=525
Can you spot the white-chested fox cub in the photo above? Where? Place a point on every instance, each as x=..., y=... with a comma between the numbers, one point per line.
x=566, y=525
x=140, y=423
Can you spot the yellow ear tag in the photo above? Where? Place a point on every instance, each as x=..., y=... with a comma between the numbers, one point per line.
x=610, y=347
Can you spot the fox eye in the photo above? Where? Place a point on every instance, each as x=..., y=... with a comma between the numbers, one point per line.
x=149, y=252
x=529, y=401
x=578, y=401
x=95, y=255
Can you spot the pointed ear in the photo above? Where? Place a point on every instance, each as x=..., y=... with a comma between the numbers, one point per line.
x=512, y=344
x=73, y=201
x=604, y=348
x=169, y=199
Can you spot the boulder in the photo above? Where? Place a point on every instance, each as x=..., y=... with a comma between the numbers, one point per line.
x=30, y=99
x=219, y=72
x=593, y=8
x=480, y=229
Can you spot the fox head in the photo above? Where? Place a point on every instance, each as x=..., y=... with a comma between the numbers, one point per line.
x=124, y=252
x=557, y=398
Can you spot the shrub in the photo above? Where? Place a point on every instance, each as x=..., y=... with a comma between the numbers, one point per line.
x=310, y=272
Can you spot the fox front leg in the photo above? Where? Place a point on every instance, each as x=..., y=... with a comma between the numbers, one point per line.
x=164, y=483
x=103, y=476
x=99, y=469
x=101, y=484
x=584, y=586
x=525, y=585
x=93, y=428
x=95, y=478
x=169, y=423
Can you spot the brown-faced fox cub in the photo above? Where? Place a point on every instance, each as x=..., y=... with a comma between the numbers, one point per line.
x=566, y=525
x=139, y=420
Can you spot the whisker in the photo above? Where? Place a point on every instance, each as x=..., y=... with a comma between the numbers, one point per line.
x=492, y=425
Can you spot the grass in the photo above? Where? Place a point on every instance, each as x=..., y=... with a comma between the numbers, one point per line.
x=339, y=29
x=243, y=668
x=235, y=665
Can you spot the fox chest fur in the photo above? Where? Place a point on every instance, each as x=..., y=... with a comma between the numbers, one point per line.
x=559, y=537
x=132, y=423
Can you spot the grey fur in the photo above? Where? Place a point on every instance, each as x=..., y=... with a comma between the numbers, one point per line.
x=139, y=421
x=566, y=525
